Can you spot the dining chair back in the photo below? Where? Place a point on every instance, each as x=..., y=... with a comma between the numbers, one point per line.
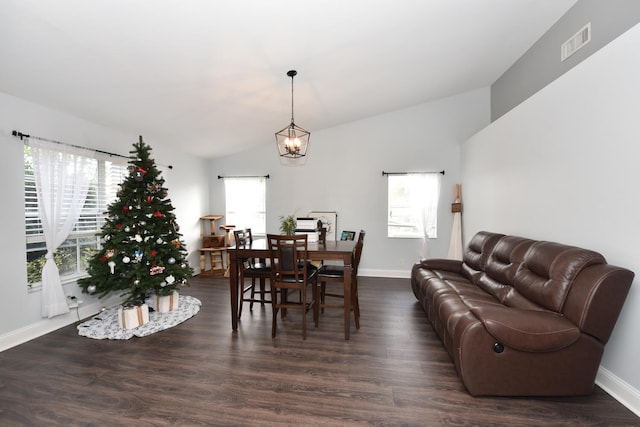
x=291, y=273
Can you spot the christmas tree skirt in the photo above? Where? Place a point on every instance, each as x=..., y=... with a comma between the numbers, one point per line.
x=105, y=324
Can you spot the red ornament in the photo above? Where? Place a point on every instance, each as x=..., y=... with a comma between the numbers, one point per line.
x=153, y=252
x=103, y=258
x=158, y=214
x=148, y=199
x=125, y=209
x=118, y=226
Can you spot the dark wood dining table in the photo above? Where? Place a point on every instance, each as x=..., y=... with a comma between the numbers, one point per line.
x=331, y=250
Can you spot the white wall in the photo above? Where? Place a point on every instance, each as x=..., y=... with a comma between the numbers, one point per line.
x=343, y=173
x=187, y=184
x=563, y=166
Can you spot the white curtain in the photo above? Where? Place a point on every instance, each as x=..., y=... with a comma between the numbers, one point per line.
x=431, y=182
x=62, y=178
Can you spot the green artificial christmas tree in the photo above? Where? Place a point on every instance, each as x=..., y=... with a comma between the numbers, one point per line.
x=142, y=252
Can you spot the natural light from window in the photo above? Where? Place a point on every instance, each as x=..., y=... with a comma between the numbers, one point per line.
x=413, y=205
x=245, y=203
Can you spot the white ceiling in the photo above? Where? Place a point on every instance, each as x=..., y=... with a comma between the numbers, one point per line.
x=210, y=75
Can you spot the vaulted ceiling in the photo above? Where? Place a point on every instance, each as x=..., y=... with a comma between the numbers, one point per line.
x=210, y=75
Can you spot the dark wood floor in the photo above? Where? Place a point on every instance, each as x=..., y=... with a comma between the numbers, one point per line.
x=393, y=371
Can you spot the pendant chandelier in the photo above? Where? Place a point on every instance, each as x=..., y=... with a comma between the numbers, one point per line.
x=292, y=141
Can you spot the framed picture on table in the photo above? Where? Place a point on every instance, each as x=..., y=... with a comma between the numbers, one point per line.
x=329, y=222
x=348, y=235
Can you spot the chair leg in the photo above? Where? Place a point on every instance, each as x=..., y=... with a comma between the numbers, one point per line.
x=323, y=289
x=274, y=310
x=241, y=279
x=284, y=300
x=262, y=291
x=316, y=304
x=253, y=292
x=355, y=304
x=303, y=296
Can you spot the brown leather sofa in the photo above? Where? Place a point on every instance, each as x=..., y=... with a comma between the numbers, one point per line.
x=521, y=317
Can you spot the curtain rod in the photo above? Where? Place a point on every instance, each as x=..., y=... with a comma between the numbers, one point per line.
x=24, y=135
x=408, y=173
x=243, y=176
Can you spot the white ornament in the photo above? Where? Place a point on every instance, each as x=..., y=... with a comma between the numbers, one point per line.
x=91, y=288
x=127, y=229
x=138, y=238
x=159, y=241
x=126, y=259
x=170, y=279
x=112, y=266
x=171, y=260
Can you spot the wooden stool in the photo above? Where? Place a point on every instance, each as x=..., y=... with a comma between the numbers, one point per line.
x=215, y=260
x=212, y=247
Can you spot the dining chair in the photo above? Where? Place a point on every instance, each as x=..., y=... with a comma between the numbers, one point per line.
x=252, y=268
x=335, y=274
x=292, y=273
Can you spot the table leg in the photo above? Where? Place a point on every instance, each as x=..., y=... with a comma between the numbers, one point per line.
x=233, y=287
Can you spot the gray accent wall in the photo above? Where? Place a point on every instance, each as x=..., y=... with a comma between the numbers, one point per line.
x=541, y=64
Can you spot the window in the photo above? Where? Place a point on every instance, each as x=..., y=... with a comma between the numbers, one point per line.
x=245, y=201
x=413, y=205
x=72, y=255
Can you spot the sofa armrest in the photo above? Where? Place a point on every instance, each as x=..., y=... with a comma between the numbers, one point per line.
x=527, y=330
x=452, y=265
x=596, y=298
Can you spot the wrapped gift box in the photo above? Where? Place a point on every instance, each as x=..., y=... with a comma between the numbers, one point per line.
x=166, y=303
x=132, y=317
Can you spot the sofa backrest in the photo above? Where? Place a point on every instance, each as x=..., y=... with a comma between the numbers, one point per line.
x=477, y=252
x=502, y=264
x=548, y=270
x=538, y=275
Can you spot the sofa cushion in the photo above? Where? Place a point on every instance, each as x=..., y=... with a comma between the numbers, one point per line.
x=502, y=264
x=527, y=330
x=548, y=270
x=476, y=253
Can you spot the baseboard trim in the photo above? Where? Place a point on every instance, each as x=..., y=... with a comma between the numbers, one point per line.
x=391, y=274
x=620, y=390
x=45, y=326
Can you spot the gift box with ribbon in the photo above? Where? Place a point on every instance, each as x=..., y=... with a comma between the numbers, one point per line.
x=132, y=317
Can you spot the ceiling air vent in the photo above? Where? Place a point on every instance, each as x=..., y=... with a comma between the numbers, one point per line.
x=578, y=40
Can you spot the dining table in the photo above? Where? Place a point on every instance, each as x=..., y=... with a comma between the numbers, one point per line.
x=329, y=250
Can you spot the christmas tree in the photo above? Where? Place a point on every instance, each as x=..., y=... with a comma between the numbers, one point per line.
x=142, y=252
